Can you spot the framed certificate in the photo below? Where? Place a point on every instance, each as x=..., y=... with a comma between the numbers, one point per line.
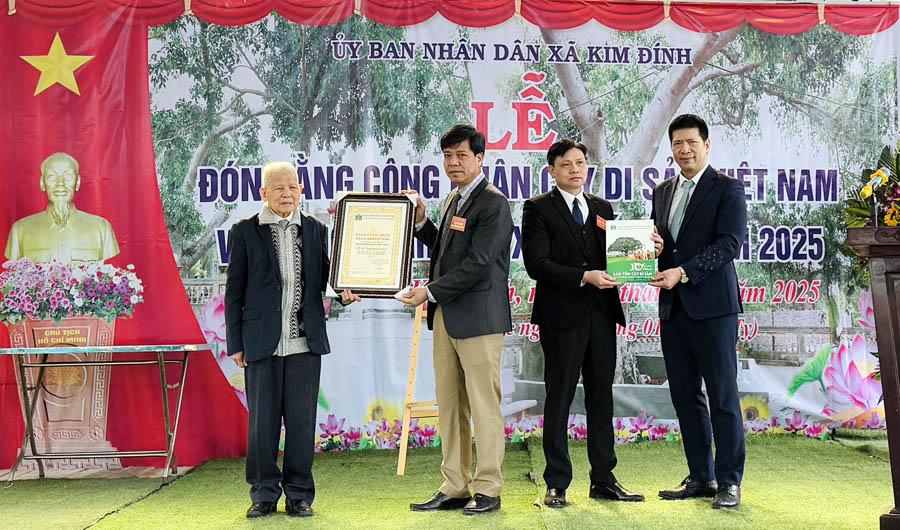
x=372, y=248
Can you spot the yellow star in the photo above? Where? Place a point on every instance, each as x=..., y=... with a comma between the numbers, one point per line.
x=57, y=67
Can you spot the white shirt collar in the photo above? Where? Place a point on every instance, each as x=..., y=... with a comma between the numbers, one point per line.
x=695, y=180
x=569, y=198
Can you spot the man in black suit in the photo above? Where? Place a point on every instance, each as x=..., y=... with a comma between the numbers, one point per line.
x=469, y=312
x=275, y=330
x=576, y=305
x=702, y=217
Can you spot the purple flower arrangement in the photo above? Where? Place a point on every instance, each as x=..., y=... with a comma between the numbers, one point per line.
x=53, y=291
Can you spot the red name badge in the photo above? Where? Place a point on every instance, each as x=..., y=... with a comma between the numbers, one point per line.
x=601, y=222
x=458, y=224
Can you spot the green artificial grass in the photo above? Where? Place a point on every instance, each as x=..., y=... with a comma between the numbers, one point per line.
x=59, y=503
x=868, y=441
x=790, y=483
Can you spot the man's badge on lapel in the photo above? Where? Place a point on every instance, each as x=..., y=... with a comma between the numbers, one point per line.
x=601, y=222
x=458, y=224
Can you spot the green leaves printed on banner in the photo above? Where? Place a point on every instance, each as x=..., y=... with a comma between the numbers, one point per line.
x=811, y=373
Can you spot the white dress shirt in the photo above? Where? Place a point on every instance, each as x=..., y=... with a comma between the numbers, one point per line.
x=679, y=191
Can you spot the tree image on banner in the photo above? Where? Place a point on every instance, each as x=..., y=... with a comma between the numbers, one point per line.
x=276, y=69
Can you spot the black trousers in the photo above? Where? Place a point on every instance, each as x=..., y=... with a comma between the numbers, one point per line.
x=282, y=388
x=696, y=350
x=589, y=349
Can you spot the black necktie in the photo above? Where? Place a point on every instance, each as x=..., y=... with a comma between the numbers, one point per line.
x=576, y=213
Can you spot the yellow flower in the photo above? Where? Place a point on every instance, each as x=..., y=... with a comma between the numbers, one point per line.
x=381, y=409
x=754, y=407
x=892, y=218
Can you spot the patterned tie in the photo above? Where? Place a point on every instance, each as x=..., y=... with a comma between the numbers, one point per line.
x=445, y=233
x=682, y=206
x=576, y=213
x=283, y=224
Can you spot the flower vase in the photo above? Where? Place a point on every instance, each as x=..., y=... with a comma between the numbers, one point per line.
x=70, y=408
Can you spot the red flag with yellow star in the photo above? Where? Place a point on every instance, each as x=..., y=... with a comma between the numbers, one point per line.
x=81, y=94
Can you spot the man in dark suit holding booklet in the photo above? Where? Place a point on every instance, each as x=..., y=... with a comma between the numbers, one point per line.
x=577, y=307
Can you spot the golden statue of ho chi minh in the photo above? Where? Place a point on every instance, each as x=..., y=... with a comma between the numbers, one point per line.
x=61, y=232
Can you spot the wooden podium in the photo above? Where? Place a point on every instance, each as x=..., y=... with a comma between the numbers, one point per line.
x=881, y=245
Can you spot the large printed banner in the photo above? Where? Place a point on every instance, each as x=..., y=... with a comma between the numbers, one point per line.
x=127, y=143
x=359, y=107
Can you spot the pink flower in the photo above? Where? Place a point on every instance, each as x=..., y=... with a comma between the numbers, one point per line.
x=373, y=428
x=874, y=422
x=509, y=429
x=332, y=427
x=212, y=320
x=659, y=433
x=385, y=443
x=845, y=384
x=641, y=423
x=425, y=435
x=620, y=425
x=866, y=310
x=351, y=438
x=814, y=431
x=413, y=425
x=795, y=423
x=579, y=432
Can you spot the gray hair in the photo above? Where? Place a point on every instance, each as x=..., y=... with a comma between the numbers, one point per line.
x=277, y=168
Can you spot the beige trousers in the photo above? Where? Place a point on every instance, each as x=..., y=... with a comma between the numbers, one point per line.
x=467, y=387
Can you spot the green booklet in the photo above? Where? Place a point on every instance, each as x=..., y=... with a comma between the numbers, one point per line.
x=630, y=255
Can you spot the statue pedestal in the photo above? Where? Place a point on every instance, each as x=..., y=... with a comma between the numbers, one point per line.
x=70, y=413
x=881, y=245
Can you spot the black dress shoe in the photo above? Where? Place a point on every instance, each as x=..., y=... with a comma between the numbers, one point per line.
x=261, y=509
x=690, y=489
x=439, y=501
x=299, y=508
x=728, y=497
x=481, y=503
x=555, y=498
x=614, y=492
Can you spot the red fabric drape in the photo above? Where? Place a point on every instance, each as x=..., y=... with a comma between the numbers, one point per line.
x=552, y=14
x=471, y=13
x=107, y=129
x=623, y=16
x=711, y=18
x=861, y=20
x=315, y=12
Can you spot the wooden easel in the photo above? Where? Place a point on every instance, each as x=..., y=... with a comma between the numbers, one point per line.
x=413, y=409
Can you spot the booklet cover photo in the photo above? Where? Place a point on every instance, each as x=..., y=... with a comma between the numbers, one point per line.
x=629, y=250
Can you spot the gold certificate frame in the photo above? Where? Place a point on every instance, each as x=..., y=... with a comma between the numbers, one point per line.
x=372, y=244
